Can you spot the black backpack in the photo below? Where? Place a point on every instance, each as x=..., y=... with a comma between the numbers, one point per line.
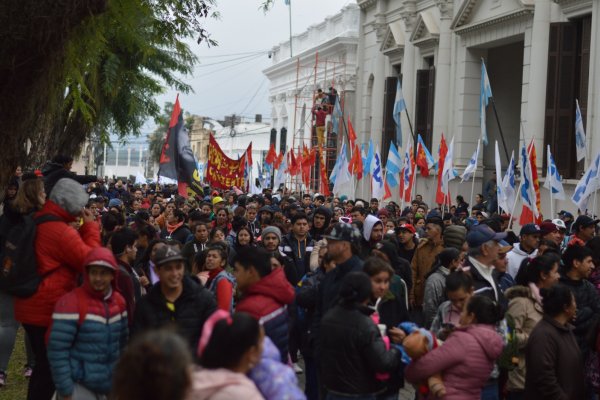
x=18, y=265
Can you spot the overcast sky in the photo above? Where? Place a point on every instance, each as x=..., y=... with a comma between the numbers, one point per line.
x=234, y=83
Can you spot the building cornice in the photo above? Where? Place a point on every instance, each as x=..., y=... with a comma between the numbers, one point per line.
x=572, y=8
x=515, y=14
x=366, y=4
x=426, y=29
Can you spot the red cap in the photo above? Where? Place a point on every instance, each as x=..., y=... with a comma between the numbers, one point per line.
x=408, y=227
x=101, y=256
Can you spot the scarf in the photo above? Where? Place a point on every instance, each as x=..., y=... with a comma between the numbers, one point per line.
x=535, y=292
x=172, y=228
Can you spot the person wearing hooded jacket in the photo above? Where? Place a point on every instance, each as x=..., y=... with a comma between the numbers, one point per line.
x=60, y=167
x=321, y=220
x=89, y=330
x=372, y=234
x=467, y=357
x=59, y=270
x=266, y=294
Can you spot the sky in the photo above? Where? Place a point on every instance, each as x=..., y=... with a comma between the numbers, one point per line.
x=229, y=77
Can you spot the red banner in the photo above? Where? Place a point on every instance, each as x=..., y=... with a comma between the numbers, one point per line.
x=221, y=171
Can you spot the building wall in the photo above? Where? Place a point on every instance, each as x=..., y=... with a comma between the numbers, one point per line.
x=511, y=35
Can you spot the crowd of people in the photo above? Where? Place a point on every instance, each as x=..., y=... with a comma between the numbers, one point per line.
x=141, y=293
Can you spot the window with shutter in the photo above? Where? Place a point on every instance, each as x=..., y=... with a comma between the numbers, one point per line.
x=424, y=104
x=283, y=139
x=568, y=71
x=389, y=125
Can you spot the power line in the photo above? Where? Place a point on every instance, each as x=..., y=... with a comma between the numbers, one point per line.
x=229, y=66
x=236, y=54
x=230, y=60
x=254, y=95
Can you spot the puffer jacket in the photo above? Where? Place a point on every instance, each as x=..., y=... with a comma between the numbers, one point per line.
x=466, y=360
x=267, y=301
x=435, y=293
x=588, y=309
x=515, y=257
x=526, y=312
x=222, y=384
x=352, y=351
x=298, y=251
x=60, y=251
x=421, y=264
x=192, y=309
x=86, y=352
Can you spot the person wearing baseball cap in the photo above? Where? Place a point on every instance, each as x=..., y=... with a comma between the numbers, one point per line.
x=529, y=241
x=583, y=229
x=176, y=299
x=567, y=218
x=342, y=247
x=88, y=331
x=551, y=232
x=484, y=251
x=562, y=232
x=407, y=242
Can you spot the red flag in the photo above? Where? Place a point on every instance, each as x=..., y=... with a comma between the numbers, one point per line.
x=409, y=184
x=271, y=155
x=422, y=161
x=351, y=133
x=388, y=192
x=355, y=167
x=527, y=216
x=293, y=164
x=278, y=161
x=443, y=150
x=324, y=186
x=308, y=160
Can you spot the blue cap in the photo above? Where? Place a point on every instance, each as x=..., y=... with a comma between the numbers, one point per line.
x=115, y=203
x=530, y=229
x=479, y=234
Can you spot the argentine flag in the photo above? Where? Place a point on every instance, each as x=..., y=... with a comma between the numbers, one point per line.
x=399, y=106
x=471, y=168
x=553, y=180
x=485, y=94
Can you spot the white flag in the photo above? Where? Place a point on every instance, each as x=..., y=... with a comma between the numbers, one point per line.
x=280, y=174
x=499, y=192
x=471, y=168
x=553, y=181
x=377, y=186
x=580, y=143
x=508, y=184
x=448, y=171
x=587, y=185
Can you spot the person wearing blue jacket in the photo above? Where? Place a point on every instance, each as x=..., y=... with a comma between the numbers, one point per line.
x=89, y=330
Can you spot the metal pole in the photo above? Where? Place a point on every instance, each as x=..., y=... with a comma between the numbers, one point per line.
x=290, y=12
x=500, y=128
x=472, y=191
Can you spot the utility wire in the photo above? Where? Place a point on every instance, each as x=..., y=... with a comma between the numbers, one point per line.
x=230, y=60
x=236, y=54
x=229, y=66
x=254, y=95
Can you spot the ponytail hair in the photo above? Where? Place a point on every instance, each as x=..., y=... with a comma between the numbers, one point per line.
x=531, y=269
x=486, y=310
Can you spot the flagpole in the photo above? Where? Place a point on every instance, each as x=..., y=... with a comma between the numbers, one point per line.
x=552, y=201
x=473, y=187
x=289, y=3
x=593, y=212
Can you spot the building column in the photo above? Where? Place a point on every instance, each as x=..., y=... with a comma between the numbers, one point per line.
x=534, y=95
x=442, y=73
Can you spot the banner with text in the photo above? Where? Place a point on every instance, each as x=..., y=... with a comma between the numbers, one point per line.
x=221, y=171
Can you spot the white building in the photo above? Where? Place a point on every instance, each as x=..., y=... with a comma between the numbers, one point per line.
x=323, y=56
x=540, y=55
x=125, y=158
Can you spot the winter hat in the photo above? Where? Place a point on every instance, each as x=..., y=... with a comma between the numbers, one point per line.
x=115, y=203
x=69, y=195
x=455, y=236
x=101, y=256
x=272, y=229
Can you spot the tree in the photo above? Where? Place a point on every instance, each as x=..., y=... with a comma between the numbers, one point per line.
x=71, y=70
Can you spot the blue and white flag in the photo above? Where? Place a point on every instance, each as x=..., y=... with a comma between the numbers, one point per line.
x=528, y=195
x=336, y=114
x=553, y=179
x=369, y=160
x=484, y=98
x=377, y=186
x=399, y=106
x=393, y=166
x=471, y=167
x=448, y=172
x=499, y=192
x=280, y=175
x=336, y=167
x=342, y=175
x=509, y=185
x=588, y=184
x=580, y=142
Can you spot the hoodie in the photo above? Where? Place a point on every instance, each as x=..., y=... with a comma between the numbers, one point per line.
x=266, y=301
x=515, y=257
x=317, y=233
x=368, y=225
x=466, y=360
x=222, y=384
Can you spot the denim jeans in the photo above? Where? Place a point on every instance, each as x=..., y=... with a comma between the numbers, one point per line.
x=8, y=333
x=336, y=396
x=490, y=391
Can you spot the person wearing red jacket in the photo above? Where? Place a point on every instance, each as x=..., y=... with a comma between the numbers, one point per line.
x=320, y=116
x=266, y=293
x=60, y=253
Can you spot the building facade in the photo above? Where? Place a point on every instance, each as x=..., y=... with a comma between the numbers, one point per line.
x=324, y=56
x=540, y=56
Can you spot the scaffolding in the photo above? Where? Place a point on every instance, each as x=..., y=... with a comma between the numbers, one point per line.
x=321, y=74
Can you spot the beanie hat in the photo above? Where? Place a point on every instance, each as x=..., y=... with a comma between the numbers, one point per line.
x=69, y=195
x=455, y=236
x=271, y=229
x=115, y=203
x=101, y=256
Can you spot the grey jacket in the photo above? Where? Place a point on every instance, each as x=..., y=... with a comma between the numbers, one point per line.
x=435, y=293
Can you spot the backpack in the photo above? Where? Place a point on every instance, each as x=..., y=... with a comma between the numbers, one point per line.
x=18, y=264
